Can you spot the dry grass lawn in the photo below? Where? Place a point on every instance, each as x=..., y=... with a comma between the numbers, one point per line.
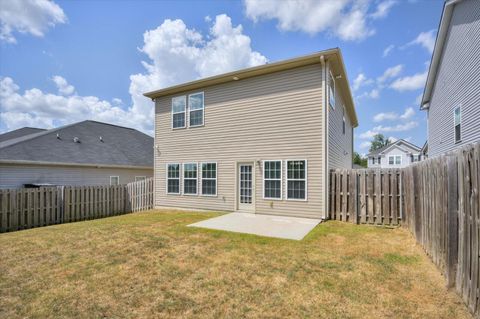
x=150, y=265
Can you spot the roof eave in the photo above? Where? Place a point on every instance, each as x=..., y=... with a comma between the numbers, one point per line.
x=23, y=162
x=437, y=52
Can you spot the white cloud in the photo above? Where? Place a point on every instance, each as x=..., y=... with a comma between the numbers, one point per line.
x=349, y=20
x=368, y=134
x=63, y=87
x=396, y=128
x=426, y=40
x=385, y=116
x=409, y=113
x=387, y=50
x=392, y=116
x=361, y=80
x=177, y=54
x=28, y=16
x=410, y=83
x=372, y=94
x=365, y=144
x=390, y=73
x=383, y=9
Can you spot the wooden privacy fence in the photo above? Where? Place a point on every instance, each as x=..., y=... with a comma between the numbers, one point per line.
x=367, y=196
x=442, y=207
x=437, y=200
x=27, y=208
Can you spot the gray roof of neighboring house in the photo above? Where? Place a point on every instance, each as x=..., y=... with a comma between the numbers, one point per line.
x=118, y=146
x=19, y=133
x=397, y=142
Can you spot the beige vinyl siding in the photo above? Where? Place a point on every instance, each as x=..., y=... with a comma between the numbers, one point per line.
x=340, y=146
x=15, y=175
x=276, y=116
x=457, y=82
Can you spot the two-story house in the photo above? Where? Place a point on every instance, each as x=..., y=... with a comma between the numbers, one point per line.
x=258, y=140
x=395, y=155
x=452, y=93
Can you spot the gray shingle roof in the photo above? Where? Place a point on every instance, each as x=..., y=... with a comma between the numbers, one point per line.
x=19, y=133
x=400, y=141
x=119, y=146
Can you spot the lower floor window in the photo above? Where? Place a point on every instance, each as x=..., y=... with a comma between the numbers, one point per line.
x=190, y=178
x=209, y=179
x=296, y=179
x=114, y=180
x=272, y=179
x=173, y=178
x=395, y=159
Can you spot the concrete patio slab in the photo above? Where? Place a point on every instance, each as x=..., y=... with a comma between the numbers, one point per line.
x=263, y=225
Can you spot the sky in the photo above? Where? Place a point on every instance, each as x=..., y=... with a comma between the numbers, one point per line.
x=67, y=61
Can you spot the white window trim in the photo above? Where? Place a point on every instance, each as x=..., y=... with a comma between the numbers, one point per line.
x=455, y=125
x=190, y=110
x=185, y=112
x=142, y=178
x=183, y=179
x=398, y=156
x=179, y=178
x=215, y=179
x=395, y=159
x=114, y=176
x=334, y=91
x=306, y=181
x=273, y=179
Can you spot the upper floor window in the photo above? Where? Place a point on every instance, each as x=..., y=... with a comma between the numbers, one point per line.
x=331, y=87
x=458, y=120
x=195, y=109
x=297, y=180
x=179, y=105
x=272, y=179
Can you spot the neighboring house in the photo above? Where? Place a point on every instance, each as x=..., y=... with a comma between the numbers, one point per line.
x=395, y=155
x=452, y=92
x=258, y=140
x=84, y=153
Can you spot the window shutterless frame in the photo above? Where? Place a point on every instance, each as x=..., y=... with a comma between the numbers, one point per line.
x=331, y=91
x=117, y=178
x=140, y=178
x=208, y=178
x=185, y=179
x=196, y=109
x=457, y=124
x=272, y=179
x=176, y=112
x=305, y=180
x=173, y=178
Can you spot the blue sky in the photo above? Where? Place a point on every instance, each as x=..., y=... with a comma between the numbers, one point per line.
x=65, y=61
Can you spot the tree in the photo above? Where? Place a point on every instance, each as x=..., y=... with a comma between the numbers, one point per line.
x=379, y=141
x=359, y=160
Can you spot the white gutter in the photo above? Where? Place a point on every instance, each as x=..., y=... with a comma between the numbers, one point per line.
x=326, y=173
x=437, y=52
x=22, y=162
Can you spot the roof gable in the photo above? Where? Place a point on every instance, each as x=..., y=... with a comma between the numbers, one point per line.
x=400, y=144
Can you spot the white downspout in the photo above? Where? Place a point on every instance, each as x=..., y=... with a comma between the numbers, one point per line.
x=325, y=138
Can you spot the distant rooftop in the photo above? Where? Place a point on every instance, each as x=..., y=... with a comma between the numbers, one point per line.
x=85, y=143
x=19, y=133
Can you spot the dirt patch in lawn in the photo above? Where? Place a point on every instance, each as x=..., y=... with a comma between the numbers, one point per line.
x=151, y=265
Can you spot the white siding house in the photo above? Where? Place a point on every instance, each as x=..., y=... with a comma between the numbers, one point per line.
x=396, y=155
